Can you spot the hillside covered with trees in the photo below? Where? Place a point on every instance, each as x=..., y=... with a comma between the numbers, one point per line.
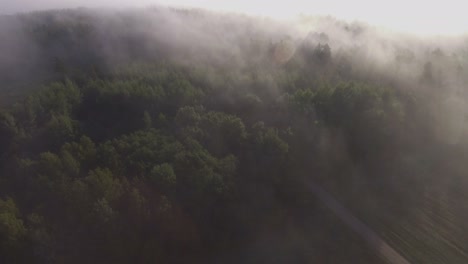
x=184, y=136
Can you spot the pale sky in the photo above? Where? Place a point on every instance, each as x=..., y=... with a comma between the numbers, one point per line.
x=414, y=16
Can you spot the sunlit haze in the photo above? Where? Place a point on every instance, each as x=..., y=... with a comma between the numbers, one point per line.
x=420, y=17
x=233, y=131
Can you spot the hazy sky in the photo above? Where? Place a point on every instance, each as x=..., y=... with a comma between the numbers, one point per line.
x=416, y=16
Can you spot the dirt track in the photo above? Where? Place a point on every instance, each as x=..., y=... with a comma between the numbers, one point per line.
x=387, y=252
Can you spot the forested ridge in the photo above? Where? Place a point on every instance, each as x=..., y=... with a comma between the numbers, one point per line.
x=185, y=136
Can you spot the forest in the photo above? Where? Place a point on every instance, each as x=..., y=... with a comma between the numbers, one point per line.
x=166, y=135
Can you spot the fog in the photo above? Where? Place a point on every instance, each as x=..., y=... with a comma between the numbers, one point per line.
x=416, y=17
x=243, y=42
x=269, y=56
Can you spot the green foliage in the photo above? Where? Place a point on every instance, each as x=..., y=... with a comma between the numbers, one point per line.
x=103, y=185
x=49, y=164
x=12, y=229
x=163, y=175
x=83, y=152
x=103, y=212
x=8, y=131
x=70, y=164
x=136, y=154
x=174, y=149
x=60, y=129
x=55, y=99
x=147, y=155
x=199, y=171
x=7, y=124
x=267, y=141
x=219, y=132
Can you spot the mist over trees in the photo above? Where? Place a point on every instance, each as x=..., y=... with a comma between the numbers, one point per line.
x=187, y=136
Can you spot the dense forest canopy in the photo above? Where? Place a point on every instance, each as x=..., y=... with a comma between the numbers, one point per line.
x=188, y=136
